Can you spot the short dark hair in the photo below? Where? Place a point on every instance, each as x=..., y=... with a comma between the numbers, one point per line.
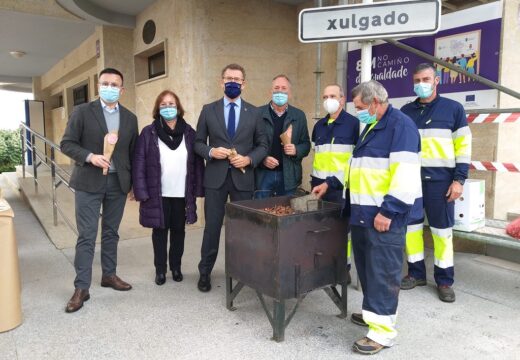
x=423, y=66
x=111, y=71
x=180, y=109
x=234, y=67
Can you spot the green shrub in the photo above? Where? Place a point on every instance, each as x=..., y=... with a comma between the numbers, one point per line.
x=10, y=150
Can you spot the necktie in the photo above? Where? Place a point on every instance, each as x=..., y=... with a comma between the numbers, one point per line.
x=231, y=120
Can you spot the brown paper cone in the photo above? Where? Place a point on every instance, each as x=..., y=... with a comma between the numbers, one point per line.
x=109, y=146
x=286, y=136
x=233, y=154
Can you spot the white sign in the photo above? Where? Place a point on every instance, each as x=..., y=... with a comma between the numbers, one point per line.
x=370, y=21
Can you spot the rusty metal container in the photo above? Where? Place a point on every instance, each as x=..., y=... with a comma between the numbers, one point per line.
x=285, y=257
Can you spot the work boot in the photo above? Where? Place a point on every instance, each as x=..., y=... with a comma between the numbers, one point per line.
x=367, y=346
x=409, y=282
x=446, y=293
x=357, y=318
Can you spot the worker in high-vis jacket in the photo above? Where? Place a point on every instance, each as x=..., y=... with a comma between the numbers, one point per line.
x=384, y=181
x=334, y=137
x=445, y=158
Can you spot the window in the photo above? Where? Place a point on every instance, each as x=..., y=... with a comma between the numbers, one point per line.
x=80, y=95
x=156, y=65
x=151, y=64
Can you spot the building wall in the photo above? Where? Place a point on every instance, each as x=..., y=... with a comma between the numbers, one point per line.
x=77, y=67
x=507, y=191
x=116, y=46
x=199, y=45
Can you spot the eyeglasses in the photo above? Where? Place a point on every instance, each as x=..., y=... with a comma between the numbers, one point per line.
x=107, y=84
x=233, y=79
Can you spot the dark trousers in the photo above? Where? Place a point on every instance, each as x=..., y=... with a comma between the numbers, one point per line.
x=272, y=184
x=174, y=212
x=441, y=218
x=379, y=260
x=88, y=206
x=214, y=208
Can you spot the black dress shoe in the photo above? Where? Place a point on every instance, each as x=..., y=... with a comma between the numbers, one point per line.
x=160, y=279
x=204, y=283
x=177, y=275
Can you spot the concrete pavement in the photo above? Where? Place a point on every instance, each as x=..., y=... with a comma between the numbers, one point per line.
x=176, y=321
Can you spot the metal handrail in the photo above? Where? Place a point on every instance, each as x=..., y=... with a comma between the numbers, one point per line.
x=28, y=138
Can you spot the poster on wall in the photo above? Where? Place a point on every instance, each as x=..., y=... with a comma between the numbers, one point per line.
x=469, y=39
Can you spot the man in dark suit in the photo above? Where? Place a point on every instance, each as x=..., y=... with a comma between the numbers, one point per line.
x=83, y=141
x=228, y=123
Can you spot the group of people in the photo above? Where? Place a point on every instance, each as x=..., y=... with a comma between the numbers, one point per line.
x=448, y=76
x=403, y=163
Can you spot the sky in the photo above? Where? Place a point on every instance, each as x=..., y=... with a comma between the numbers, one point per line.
x=12, y=108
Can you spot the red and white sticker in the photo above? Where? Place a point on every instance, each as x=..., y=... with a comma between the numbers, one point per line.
x=494, y=166
x=495, y=118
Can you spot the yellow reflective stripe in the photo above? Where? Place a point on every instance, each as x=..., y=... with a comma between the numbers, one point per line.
x=331, y=161
x=381, y=328
x=414, y=243
x=369, y=181
x=462, y=145
x=437, y=148
x=349, y=248
x=331, y=164
x=370, y=128
x=405, y=182
x=443, y=247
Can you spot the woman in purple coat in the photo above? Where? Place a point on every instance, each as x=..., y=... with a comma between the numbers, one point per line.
x=167, y=178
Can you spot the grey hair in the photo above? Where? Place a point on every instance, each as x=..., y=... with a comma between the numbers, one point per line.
x=282, y=76
x=370, y=90
x=341, y=92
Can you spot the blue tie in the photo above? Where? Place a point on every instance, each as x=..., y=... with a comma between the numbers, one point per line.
x=231, y=121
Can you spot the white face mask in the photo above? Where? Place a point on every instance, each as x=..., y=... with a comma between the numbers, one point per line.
x=331, y=105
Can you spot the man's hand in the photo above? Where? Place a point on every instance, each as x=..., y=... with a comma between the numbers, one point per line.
x=320, y=190
x=220, y=153
x=454, y=191
x=100, y=161
x=240, y=161
x=382, y=223
x=289, y=149
x=270, y=162
x=130, y=195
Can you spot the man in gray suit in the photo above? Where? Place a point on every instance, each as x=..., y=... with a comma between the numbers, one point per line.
x=228, y=123
x=83, y=141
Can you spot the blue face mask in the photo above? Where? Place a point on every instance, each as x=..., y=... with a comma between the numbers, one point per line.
x=365, y=117
x=168, y=113
x=423, y=90
x=280, y=98
x=232, y=89
x=109, y=94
